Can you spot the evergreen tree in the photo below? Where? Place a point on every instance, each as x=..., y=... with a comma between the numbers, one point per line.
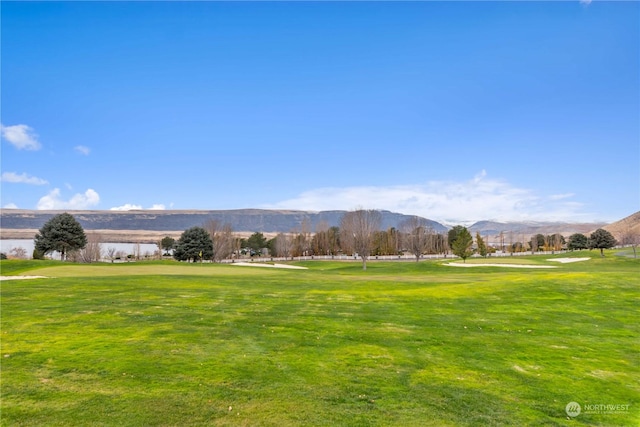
x=462, y=244
x=452, y=235
x=195, y=243
x=257, y=242
x=482, y=246
x=62, y=233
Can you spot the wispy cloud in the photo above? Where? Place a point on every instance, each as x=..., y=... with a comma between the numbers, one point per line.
x=22, y=178
x=82, y=149
x=561, y=196
x=53, y=200
x=585, y=2
x=20, y=136
x=10, y=206
x=132, y=207
x=450, y=201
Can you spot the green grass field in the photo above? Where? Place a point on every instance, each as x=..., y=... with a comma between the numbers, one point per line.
x=402, y=343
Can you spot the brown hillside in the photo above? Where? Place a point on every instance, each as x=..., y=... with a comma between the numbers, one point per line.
x=628, y=224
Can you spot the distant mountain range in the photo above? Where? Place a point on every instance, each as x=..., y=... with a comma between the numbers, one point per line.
x=247, y=220
x=17, y=223
x=493, y=228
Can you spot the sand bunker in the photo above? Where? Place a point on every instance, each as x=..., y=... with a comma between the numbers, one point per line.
x=257, y=264
x=22, y=277
x=566, y=260
x=459, y=264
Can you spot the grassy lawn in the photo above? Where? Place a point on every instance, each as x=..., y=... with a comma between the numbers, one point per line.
x=403, y=343
x=505, y=260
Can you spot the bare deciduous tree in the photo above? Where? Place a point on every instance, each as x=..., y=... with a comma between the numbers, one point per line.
x=439, y=244
x=111, y=253
x=556, y=241
x=511, y=246
x=19, y=253
x=334, y=240
x=326, y=241
x=283, y=245
x=417, y=236
x=386, y=242
x=92, y=252
x=320, y=240
x=222, y=237
x=358, y=228
x=630, y=237
x=302, y=240
x=137, y=252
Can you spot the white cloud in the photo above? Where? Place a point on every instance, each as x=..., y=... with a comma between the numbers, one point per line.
x=22, y=179
x=82, y=149
x=561, y=196
x=479, y=198
x=585, y=2
x=53, y=201
x=131, y=207
x=127, y=207
x=10, y=206
x=20, y=136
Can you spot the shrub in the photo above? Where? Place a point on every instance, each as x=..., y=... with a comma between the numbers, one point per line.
x=37, y=254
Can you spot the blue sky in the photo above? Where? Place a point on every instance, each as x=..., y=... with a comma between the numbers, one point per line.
x=456, y=111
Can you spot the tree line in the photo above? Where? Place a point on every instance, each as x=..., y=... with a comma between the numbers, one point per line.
x=359, y=235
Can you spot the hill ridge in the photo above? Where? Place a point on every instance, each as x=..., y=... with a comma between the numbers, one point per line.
x=241, y=220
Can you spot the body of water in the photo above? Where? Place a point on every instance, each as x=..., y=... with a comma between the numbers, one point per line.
x=6, y=246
